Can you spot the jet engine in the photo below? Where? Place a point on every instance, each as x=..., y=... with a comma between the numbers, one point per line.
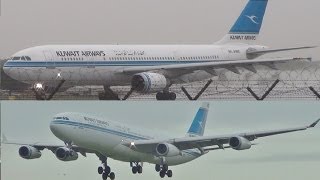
x=149, y=82
x=239, y=143
x=166, y=149
x=66, y=154
x=29, y=152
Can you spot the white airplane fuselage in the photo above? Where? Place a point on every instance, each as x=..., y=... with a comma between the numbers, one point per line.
x=102, y=64
x=106, y=137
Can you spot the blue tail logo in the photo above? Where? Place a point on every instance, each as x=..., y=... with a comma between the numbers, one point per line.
x=250, y=20
x=199, y=122
x=253, y=18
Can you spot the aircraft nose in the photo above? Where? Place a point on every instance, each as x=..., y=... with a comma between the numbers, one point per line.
x=5, y=68
x=54, y=127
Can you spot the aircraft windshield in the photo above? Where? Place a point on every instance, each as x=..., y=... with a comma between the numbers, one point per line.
x=23, y=58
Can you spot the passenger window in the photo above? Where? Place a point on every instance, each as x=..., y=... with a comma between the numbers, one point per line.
x=16, y=58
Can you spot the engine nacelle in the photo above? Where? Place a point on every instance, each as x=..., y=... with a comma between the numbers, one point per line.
x=66, y=154
x=29, y=152
x=239, y=143
x=149, y=82
x=166, y=149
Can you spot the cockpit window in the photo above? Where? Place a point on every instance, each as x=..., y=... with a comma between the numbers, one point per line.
x=23, y=58
x=15, y=58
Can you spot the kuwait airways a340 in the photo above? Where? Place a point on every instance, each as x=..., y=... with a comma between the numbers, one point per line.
x=108, y=139
x=147, y=68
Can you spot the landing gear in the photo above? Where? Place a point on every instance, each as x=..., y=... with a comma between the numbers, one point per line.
x=166, y=95
x=105, y=170
x=108, y=94
x=163, y=170
x=40, y=91
x=136, y=167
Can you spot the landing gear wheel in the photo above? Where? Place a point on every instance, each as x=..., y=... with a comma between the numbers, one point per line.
x=158, y=167
x=165, y=167
x=104, y=176
x=100, y=170
x=162, y=173
x=139, y=169
x=107, y=170
x=160, y=96
x=172, y=96
x=169, y=173
x=112, y=176
x=134, y=169
x=166, y=96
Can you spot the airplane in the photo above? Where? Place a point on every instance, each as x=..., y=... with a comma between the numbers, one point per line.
x=82, y=133
x=146, y=68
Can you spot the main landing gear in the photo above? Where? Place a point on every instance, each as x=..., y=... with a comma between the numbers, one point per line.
x=166, y=95
x=163, y=170
x=136, y=167
x=105, y=170
x=109, y=94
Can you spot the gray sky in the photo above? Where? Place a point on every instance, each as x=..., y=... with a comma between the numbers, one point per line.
x=291, y=156
x=36, y=22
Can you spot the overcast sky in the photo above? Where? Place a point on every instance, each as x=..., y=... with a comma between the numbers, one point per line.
x=37, y=22
x=292, y=156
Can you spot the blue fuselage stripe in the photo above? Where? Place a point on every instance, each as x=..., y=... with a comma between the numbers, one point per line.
x=93, y=63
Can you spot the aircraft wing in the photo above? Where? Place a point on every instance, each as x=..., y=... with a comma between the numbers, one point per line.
x=50, y=146
x=210, y=66
x=201, y=142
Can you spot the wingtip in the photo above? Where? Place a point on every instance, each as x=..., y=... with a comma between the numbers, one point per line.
x=314, y=124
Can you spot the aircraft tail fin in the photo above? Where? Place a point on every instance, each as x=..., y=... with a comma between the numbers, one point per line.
x=247, y=27
x=199, y=122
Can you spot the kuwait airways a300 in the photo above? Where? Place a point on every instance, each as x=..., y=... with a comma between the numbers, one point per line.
x=147, y=68
x=108, y=139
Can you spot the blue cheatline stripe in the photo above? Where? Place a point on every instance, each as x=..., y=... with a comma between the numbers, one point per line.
x=93, y=63
x=122, y=134
x=97, y=128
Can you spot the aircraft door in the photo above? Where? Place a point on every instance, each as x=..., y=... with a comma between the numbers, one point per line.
x=49, y=60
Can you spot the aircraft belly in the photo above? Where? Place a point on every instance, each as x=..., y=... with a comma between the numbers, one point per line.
x=74, y=76
x=123, y=153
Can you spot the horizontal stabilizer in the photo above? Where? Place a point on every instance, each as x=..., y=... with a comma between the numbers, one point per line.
x=260, y=52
